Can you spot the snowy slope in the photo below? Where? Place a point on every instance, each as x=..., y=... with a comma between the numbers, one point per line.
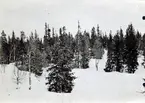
x=91, y=86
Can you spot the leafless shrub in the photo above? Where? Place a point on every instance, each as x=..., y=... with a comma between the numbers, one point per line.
x=18, y=76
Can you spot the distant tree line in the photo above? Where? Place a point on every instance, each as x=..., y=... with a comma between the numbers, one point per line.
x=124, y=49
x=83, y=46
x=63, y=51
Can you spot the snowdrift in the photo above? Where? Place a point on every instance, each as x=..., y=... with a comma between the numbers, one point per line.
x=91, y=86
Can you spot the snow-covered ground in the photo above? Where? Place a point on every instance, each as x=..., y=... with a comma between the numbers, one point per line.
x=91, y=86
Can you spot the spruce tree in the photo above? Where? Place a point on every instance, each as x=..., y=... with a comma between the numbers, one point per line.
x=92, y=40
x=47, y=45
x=131, y=52
x=30, y=60
x=5, y=49
x=98, y=49
x=143, y=48
x=60, y=78
x=93, y=37
x=21, y=49
x=138, y=36
x=85, y=52
x=78, y=43
x=122, y=45
x=63, y=37
x=36, y=57
x=12, y=44
x=109, y=64
x=47, y=37
x=117, y=55
x=1, y=53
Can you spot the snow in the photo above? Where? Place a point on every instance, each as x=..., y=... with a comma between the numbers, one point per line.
x=91, y=86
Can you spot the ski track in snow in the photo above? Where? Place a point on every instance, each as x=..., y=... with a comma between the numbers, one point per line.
x=91, y=86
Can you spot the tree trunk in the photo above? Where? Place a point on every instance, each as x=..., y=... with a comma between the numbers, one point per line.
x=17, y=76
x=29, y=71
x=96, y=62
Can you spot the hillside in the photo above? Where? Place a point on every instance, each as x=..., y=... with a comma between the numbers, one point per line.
x=91, y=86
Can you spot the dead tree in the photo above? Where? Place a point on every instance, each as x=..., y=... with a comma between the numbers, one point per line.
x=29, y=70
x=18, y=76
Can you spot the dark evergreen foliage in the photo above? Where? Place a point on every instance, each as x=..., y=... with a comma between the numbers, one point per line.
x=117, y=55
x=138, y=37
x=109, y=64
x=60, y=78
x=131, y=52
x=62, y=50
x=93, y=37
x=92, y=40
x=5, y=49
x=85, y=51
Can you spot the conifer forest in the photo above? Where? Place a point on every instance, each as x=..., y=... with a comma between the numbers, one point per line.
x=60, y=66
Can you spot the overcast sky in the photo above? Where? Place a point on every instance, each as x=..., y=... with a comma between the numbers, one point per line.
x=28, y=15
